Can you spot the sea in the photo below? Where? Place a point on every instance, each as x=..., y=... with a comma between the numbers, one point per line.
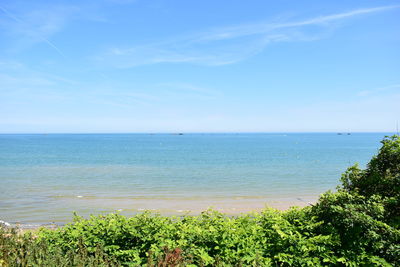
x=45, y=178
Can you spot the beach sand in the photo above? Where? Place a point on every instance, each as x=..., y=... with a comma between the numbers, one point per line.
x=89, y=205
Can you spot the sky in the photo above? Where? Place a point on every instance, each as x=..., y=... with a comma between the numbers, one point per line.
x=121, y=66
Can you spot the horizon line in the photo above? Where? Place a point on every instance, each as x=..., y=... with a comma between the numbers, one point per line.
x=216, y=132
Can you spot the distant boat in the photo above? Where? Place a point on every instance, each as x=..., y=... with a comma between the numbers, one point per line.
x=339, y=133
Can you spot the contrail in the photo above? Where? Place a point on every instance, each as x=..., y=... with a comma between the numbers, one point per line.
x=43, y=39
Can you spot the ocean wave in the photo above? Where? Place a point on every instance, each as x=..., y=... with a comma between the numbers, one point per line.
x=4, y=223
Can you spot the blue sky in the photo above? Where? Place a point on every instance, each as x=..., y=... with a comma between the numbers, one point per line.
x=199, y=66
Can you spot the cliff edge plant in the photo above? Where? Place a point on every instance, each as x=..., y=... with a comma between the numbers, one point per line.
x=380, y=180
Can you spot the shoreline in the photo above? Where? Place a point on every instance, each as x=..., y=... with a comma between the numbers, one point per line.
x=129, y=207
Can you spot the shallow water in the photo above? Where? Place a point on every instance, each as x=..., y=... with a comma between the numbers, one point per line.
x=44, y=178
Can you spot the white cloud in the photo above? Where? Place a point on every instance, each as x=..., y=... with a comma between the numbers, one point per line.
x=261, y=28
x=379, y=90
x=227, y=45
x=29, y=23
x=31, y=26
x=121, y=2
x=187, y=90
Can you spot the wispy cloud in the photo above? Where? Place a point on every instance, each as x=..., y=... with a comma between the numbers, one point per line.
x=15, y=75
x=228, y=45
x=153, y=95
x=30, y=23
x=21, y=84
x=186, y=90
x=36, y=25
x=122, y=2
x=379, y=90
x=263, y=28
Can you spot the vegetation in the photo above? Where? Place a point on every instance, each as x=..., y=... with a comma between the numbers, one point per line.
x=356, y=226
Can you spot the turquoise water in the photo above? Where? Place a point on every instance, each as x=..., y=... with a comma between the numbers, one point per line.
x=43, y=178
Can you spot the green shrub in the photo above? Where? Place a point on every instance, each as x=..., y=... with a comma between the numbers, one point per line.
x=380, y=178
x=357, y=223
x=18, y=249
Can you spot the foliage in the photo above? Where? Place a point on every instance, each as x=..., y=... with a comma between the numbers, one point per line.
x=356, y=221
x=18, y=249
x=380, y=178
x=355, y=226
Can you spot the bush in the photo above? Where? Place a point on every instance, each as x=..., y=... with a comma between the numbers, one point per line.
x=356, y=221
x=381, y=178
x=18, y=249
